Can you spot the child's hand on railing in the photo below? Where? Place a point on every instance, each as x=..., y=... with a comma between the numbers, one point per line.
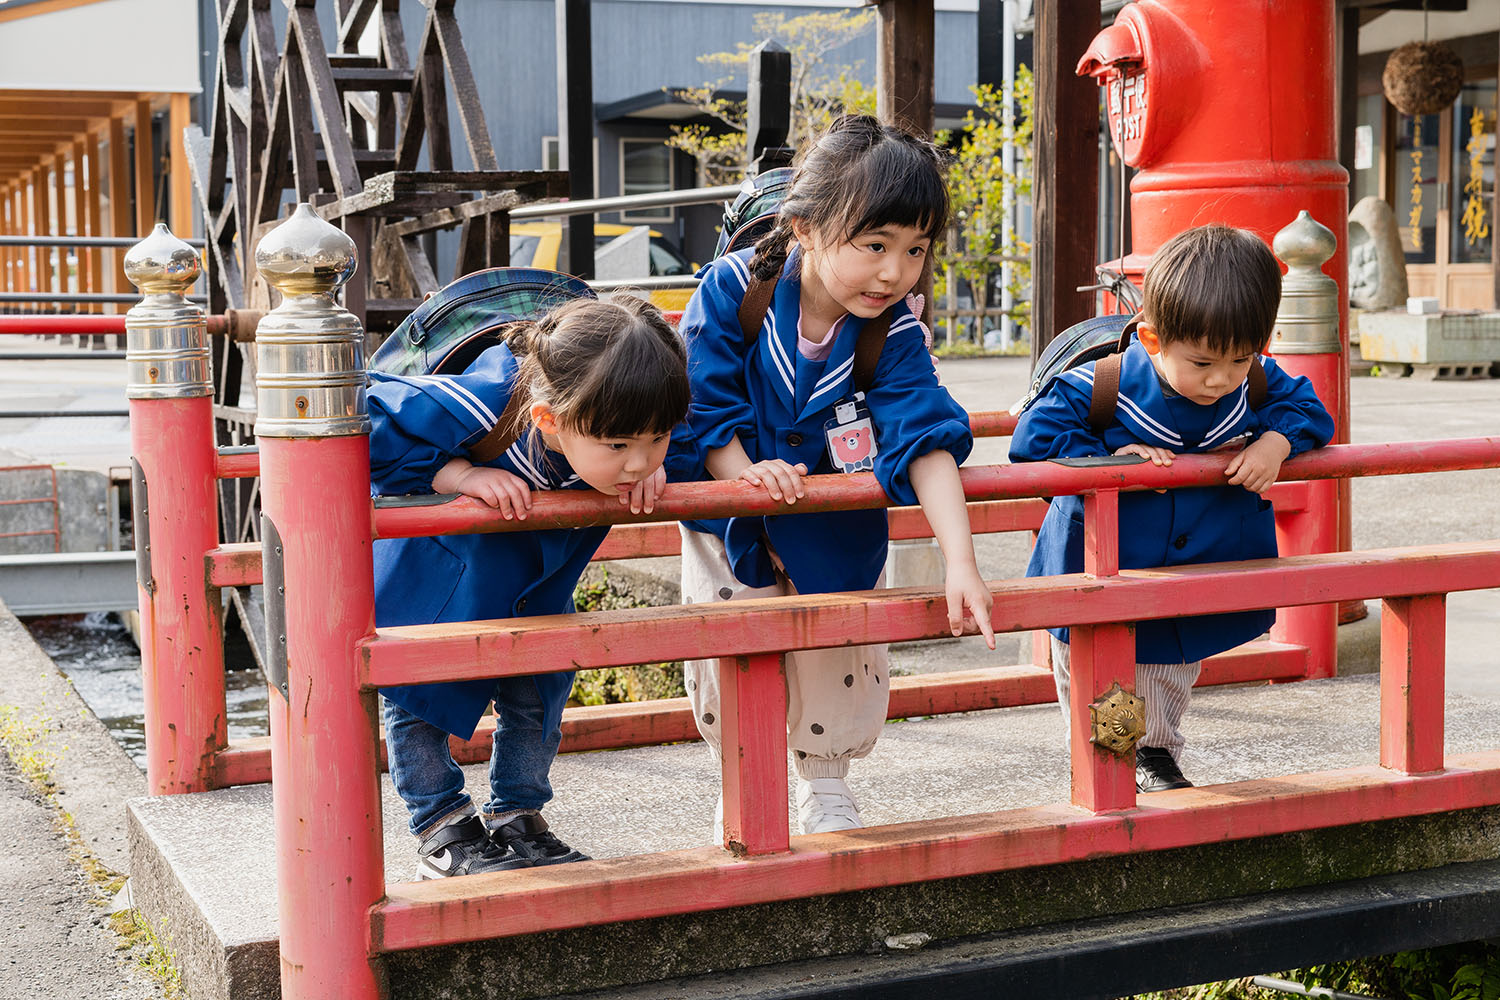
x=1151, y=453
x=969, y=602
x=1257, y=467
x=500, y=489
x=642, y=496
x=781, y=480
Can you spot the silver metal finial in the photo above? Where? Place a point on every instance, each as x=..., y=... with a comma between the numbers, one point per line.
x=309, y=350
x=166, y=336
x=1307, y=321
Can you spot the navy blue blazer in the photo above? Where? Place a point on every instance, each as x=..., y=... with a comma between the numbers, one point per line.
x=417, y=425
x=1177, y=527
x=777, y=402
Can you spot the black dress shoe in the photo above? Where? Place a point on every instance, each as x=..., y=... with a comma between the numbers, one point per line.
x=1156, y=771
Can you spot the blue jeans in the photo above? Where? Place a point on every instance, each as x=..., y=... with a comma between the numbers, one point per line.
x=432, y=785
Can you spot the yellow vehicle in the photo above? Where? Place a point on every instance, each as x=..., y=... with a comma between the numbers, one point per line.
x=536, y=244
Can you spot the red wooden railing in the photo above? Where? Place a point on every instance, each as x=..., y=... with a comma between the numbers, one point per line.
x=766, y=864
x=614, y=726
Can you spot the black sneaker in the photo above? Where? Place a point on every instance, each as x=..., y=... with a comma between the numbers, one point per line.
x=527, y=837
x=1156, y=771
x=463, y=848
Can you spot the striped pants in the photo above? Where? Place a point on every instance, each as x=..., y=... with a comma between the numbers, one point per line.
x=1166, y=689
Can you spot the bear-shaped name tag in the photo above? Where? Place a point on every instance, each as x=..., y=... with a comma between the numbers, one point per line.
x=851, y=436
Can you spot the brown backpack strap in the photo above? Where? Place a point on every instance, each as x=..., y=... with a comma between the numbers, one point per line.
x=1105, y=395
x=1106, y=392
x=1256, y=378
x=867, y=350
x=753, y=307
x=502, y=435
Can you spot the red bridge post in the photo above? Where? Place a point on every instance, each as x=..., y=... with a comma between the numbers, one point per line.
x=313, y=430
x=173, y=490
x=1306, y=342
x=1101, y=656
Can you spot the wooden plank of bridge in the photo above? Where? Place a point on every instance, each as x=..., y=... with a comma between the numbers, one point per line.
x=1100, y=657
x=752, y=705
x=447, y=911
x=419, y=654
x=670, y=720
x=1412, y=632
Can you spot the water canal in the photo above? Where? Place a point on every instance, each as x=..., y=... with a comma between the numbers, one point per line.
x=100, y=659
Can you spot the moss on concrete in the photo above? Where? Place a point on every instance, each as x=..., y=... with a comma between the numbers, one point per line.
x=851, y=923
x=603, y=590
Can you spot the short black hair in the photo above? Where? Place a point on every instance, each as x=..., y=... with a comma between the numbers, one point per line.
x=1215, y=284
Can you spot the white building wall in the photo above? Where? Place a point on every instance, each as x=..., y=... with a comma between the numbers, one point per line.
x=123, y=45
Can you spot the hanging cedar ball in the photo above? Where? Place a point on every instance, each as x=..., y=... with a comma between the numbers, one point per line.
x=1422, y=78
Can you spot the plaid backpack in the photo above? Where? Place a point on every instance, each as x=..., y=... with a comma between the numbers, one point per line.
x=752, y=214
x=447, y=332
x=1103, y=339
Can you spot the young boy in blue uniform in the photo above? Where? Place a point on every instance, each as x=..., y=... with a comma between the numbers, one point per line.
x=1211, y=295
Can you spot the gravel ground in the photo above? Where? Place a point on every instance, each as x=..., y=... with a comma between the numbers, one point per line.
x=55, y=943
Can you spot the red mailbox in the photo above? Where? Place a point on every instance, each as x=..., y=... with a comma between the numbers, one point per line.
x=1227, y=113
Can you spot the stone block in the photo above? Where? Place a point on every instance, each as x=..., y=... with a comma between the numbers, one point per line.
x=1449, y=338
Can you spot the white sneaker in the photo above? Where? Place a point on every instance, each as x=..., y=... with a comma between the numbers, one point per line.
x=825, y=805
x=719, y=822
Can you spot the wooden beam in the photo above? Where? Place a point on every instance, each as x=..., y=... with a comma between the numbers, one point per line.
x=145, y=174
x=41, y=227
x=7, y=227
x=96, y=256
x=904, y=65
x=60, y=192
x=19, y=11
x=591, y=893
x=1065, y=185
x=81, y=221
x=184, y=219
x=575, y=116
x=43, y=126
x=421, y=654
x=55, y=108
x=23, y=226
x=1412, y=634
x=119, y=200
x=1346, y=50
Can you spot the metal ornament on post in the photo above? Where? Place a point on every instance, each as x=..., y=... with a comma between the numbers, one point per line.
x=313, y=429
x=173, y=472
x=1307, y=321
x=1307, y=342
x=166, y=336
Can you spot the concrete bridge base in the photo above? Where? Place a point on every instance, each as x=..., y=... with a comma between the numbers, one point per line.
x=206, y=863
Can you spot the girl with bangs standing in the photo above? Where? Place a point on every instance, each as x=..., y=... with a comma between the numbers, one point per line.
x=591, y=394
x=807, y=357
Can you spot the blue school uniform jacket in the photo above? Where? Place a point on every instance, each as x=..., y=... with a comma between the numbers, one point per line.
x=1189, y=525
x=777, y=402
x=417, y=425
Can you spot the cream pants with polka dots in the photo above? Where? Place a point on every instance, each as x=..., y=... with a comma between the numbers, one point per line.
x=835, y=698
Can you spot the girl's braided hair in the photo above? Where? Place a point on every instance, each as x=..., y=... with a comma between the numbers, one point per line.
x=859, y=175
x=607, y=369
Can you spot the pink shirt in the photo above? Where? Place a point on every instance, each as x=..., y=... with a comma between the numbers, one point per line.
x=818, y=352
